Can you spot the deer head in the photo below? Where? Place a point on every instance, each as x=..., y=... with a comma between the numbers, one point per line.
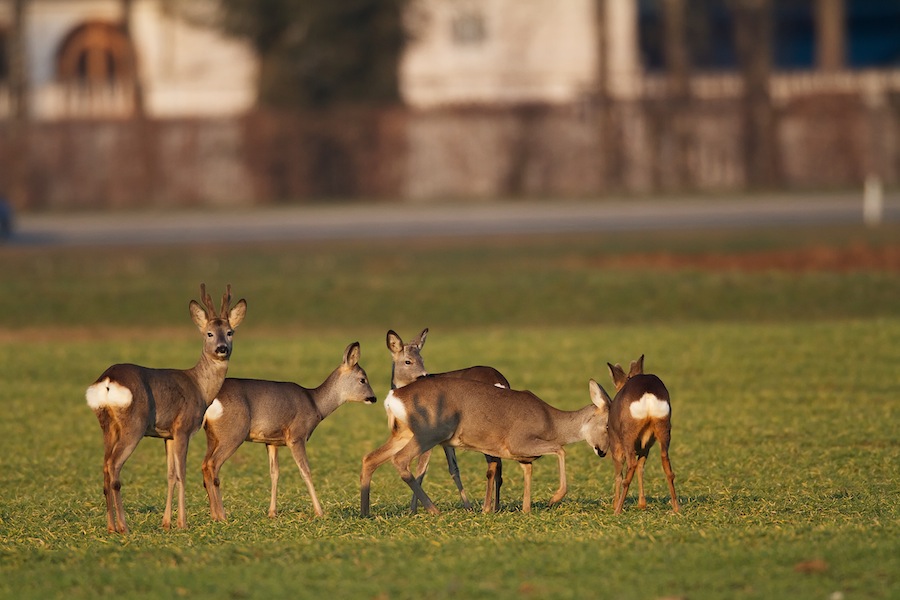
x=217, y=327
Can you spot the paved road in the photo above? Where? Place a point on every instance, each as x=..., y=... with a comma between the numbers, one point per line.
x=373, y=221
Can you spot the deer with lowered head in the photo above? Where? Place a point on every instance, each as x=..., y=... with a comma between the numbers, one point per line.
x=132, y=402
x=639, y=415
x=460, y=413
x=408, y=366
x=276, y=414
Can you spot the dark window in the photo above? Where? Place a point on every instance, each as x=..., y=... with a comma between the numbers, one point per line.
x=873, y=33
x=709, y=34
x=872, y=29
x=794, y=34
x=468, y=28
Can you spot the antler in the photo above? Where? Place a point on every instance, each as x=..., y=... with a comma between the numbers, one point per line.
x=207, y=301
x=226, y=301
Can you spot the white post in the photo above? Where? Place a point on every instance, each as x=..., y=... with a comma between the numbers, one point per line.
x=873, y=201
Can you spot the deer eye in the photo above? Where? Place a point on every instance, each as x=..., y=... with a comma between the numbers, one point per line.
x=362, y=380
x=209, y=334
x=409, y=362
x=230, y=333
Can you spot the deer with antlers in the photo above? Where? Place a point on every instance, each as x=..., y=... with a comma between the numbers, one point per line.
x=640, y=414
x=132, y=402
x=408, y=366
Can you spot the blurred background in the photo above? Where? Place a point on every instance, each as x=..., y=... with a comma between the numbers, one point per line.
x=202, y=103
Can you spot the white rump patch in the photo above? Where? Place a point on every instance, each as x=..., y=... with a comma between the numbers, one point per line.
x=214, y=412
x=649, y=406
x=108, y=393
x=394, y=408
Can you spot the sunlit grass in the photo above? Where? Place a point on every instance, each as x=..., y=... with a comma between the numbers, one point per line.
x=785, y=396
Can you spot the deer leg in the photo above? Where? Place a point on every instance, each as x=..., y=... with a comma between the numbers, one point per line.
x=642, y=500
x=272, y=451
x=180, y=450
x=119, y=450
x=663, y=436
x=371, y=462
x=498, y=482
x=493, y=464
x=617, y=470
x=421, y=469
x=629, y=475
x=453, y=466
x=170, y=482
x=526, y=498
x=213, y=488
x=561, y=456
x=209, y=479
x=108, y=493
x=109, y=497
x=670, y=477
x=218, y=450
x=298, y=449
x=402, y=460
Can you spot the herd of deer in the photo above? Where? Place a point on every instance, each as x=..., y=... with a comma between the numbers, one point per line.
x=473, y=408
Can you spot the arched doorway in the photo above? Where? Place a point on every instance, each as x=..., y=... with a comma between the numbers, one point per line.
x=96, y=64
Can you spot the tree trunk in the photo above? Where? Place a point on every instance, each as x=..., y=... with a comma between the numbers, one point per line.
x=137, y=87
x=753, y=42
x=677, y=61
x=830, y=35
x=604, y=137
x=19, y=94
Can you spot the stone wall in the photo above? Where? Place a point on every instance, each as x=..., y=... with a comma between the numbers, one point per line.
x=533, y=150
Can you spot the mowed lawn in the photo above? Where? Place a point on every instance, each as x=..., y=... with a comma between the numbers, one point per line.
x=781, y=350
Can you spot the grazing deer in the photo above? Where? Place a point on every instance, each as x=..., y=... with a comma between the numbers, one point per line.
x=132, y=402
x=408, y=366
x=276, y=414
x=640, y=414
x=476, y=416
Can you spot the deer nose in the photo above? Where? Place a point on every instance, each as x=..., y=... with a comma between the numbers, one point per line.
x=371, y=400
x=599, y=452
x=222, y=349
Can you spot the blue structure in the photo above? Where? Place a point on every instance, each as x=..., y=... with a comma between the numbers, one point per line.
x=872, y=34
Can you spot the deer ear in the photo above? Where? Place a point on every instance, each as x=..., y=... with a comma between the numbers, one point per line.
x=599, y=396
x=420, y=341
x=351, y=355
x=198, y=315
x=237, y=313
x=394, y=343
x=616, y=372
x=637, y=367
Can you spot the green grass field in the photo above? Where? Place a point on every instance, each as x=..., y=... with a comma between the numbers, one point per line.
x=786, y=419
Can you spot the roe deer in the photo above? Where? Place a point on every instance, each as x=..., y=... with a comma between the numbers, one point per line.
x=276, y=414
x=473, y=415
x=132, y=402
x=640, y=414
x=408, y=366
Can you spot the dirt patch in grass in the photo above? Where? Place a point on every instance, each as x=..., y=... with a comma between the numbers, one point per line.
x=814, y=258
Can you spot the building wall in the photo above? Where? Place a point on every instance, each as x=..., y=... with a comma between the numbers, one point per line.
x=499, y=51
x=544, y=151
x=187, y=68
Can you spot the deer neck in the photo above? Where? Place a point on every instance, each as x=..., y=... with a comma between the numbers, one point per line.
x=570, y=424
x=209, y=373
x=326, y=397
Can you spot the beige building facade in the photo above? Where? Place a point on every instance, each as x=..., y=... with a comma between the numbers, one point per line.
x=463, y=52
x=79, y=63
